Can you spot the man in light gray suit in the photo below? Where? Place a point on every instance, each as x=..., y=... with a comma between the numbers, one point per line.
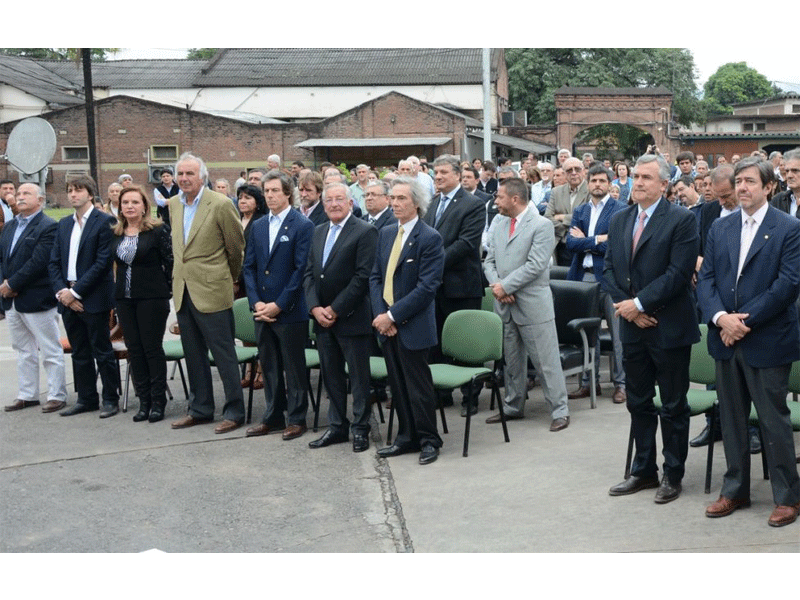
x=518, y=270
x=564, y=199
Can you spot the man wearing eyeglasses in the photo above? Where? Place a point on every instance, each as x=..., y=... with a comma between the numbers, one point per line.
x=377, y=204
x=564, y=199
x=788, y=201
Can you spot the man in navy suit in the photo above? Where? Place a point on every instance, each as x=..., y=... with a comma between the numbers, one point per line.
x=587, y=241
x=378, y=211
x=336, y=283
x=310, y=186
x=274, y=265
x=648, y=268
x=747, y=289
x=28, y=301
x=408, y=269
x=80, y=273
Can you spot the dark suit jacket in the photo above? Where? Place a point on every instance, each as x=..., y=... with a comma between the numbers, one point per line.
x=95, y=283
x=659, y=273
x=343, y=284
x=709, y=213
x=490, y=187
x=387, y=218
x=151, y=269
x=318, y=216
x=766, y=289
x=26, y=268
x=416, y=279
x=581, y=219
x=461, y=228
x=277, y=276
x=782, y=201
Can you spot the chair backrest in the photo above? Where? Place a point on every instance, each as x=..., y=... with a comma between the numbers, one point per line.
x=488, y=300
x=473, y=337
x=702, y=367
x=311, y=335
x=558, y=272
x=243, y=323
x=794, y=378
x=573, y=300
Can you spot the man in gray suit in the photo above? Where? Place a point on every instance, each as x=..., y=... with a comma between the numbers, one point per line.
x=517, y=268
x=564, y=199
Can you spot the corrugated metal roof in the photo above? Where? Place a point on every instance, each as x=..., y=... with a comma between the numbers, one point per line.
x=37, y=80
x=516, y=143
x=132, y=74
x=281, y=67
x=372, y=142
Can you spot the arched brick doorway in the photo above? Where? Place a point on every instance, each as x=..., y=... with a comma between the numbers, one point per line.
x=648, y=109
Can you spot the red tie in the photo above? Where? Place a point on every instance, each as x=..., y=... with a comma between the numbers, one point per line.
x=638, y=233
x=511, y=227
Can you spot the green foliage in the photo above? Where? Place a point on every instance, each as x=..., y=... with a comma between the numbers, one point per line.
x=733, y=83
x=201, y=53
x=74, y=54
x=536, y=73
x=615, y=141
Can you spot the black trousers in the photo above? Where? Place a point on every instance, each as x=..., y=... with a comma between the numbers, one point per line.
x=89, y=336
x=281, y=348
x=143, y=323
x=645, y=365
x=412, y=394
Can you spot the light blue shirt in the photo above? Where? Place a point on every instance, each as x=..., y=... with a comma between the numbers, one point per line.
x=189, y=211
x=275, y=223
x=22, y=223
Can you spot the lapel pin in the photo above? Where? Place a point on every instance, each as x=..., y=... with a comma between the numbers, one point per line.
x=766, y=237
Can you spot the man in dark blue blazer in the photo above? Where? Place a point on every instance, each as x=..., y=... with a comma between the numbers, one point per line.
x=648, y=268
x=378, y=212
x=747, y=288
x=274, y=265
x=408, y=269
x=80, y=273
x=336, y=284
x=28, y=301
x=587, y=241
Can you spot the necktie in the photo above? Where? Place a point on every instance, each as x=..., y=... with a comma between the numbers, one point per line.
x=511, y=227
x=372, y=220
x=329, y=243
x=394, y=256
x=439, y=211
x=639, y=229
x=748, y=231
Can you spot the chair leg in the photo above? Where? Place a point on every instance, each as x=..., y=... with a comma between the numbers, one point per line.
x=763, y=454
x=712, y=423
x=169, y=392
x=592, y=381
x=183, y=380
x=174, y=368
x=629, y=458
x=496, y=390
x=441, y=414
x=127, y=386
x=311, y=391
x=319, y=401
x=470, y=401
x=391, y=422
x=380, y=411
x=253, y=369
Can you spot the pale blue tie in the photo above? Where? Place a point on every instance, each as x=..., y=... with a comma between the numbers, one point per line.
x=329, y=243
x=442, y=205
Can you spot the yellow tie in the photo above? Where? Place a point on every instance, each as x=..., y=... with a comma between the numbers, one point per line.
x=394, y=256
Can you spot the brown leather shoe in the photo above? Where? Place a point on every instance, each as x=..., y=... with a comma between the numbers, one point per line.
x=294, y=431
x=261, y=429
x=725, y=506
x=20, y=404
x=559, y=424
x=227, y=426
x=620, y=395
x=783, y=515
x=189, y=421
x=585, y=392
x=496, y=418
x=53, y=406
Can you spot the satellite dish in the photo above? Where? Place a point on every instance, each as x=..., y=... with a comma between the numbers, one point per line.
x=31, y=145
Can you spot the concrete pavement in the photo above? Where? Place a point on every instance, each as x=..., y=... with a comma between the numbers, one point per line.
x=129, y=487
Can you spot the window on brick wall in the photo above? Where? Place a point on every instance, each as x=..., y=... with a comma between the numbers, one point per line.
x=163, y=153
x=77, y=153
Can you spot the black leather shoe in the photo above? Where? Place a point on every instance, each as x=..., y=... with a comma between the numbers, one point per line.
x=143, y=414
x=77, y=409
x=704, y=437
x=328, y=438
x=473, y=410
x=632, y=485
x=360, y=443
x=108, y=411
x=156, y=412
x=667, y=492
x=755, y=443
x=394, y=450
x=428, y=454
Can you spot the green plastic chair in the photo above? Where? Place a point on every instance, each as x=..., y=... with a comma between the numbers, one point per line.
x=702, y=370
x=313, y=362
x=173, y=351
x=471, y=338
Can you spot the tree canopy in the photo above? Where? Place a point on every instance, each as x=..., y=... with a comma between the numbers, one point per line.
x=733, y=83
x=536, y=73
x=201, y=53
x=98, y=54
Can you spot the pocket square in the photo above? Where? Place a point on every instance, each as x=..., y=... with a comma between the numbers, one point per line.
x=284, y=238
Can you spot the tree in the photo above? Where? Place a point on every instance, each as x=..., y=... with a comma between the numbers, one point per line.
x=73, y=54
x=536, y=73
x=733, y=83
x=201, y=53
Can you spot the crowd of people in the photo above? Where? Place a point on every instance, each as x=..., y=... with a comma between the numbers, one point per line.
x=377, y=262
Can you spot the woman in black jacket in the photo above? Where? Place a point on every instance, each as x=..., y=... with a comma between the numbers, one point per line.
x=142, y=252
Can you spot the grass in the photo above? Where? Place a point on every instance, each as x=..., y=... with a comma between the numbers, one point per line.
x=58, y=213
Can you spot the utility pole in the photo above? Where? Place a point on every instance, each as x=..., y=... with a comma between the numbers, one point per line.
x=487, y=104
x=86, y=58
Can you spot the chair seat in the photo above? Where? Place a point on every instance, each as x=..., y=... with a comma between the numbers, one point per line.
x=173, y=349
x=377, y=368
x=448, y=377
x=571, y=357
x=243, y=354
x=700, y=401
x=312, y=358
x=794, y=414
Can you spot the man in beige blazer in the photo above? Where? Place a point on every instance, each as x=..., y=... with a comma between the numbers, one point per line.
x=208, y=245
x=517, y=267
x=564, y=199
